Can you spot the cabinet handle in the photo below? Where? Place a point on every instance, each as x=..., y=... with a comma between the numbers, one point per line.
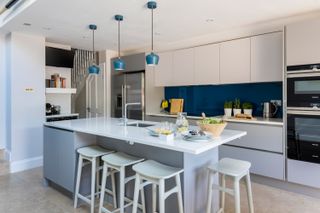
x=315, y=144
x=315, y=156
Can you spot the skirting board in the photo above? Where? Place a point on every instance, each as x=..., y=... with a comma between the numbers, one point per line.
x=30, y=163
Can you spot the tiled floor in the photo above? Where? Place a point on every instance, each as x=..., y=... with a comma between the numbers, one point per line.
x=4, y=166
x=23, y=192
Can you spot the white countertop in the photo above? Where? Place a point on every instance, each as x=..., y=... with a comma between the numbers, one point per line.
x=112, y=128
x=259, y=120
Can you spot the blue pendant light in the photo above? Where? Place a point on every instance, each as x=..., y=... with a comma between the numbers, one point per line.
x=152, y=58
x=119, y=64
x=93, y=68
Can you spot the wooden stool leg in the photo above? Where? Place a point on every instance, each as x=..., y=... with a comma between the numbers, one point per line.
x=103, y=185
x=113, y=185
x=97, y=176
x=154, y=198
x=122, y=186
x=143, y=199
x=179, y=193
x=161, y=196
x=223, y=194
x=236, y=195
x=209, y=197
x=136, y=194
x=93, y=181
x=249, y=193
x=80, y=162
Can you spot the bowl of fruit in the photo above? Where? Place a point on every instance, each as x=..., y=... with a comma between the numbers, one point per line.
x=213, y=125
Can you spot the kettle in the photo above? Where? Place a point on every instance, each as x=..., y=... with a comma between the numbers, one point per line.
x=269, y=109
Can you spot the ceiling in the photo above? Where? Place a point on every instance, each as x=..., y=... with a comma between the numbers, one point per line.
x=66, y=21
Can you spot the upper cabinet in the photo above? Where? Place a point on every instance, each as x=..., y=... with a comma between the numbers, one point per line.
x=183, y=67
x=235, y=61
x=267, y=57
x=207, y=64
x=302, y=42
x=163, y=72
x=254, y=59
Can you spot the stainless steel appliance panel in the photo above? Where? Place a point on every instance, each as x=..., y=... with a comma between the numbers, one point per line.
x=303, y=136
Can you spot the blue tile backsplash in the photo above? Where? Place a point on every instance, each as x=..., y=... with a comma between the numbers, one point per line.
x=210, y=98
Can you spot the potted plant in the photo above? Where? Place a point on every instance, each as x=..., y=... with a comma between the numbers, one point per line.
x=228, y=108
x=247, y=108
x=237, y=107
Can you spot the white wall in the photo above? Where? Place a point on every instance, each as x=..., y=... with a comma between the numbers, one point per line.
x=26, y=113
x=2, y=92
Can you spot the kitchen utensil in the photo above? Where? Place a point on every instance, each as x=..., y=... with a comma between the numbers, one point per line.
x=269, y=109
x=176, y=106
x=215, y=129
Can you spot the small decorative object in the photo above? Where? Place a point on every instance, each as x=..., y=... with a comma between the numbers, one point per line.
x=93, y=68
x=237, y=107
x=119, y=64
x=164, y=105
x=152, y=58
x=212, y=125
x=182, y=123
x=228, y=108
x=166, y=132
x=247, y=108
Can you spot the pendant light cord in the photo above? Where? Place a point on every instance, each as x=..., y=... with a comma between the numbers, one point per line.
x=152, y=30
x=119, y=39
x=94, y=54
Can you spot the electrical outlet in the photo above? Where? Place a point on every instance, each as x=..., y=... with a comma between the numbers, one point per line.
x=277, y=102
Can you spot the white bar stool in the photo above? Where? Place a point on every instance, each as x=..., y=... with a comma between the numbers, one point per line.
x=118, y=162
x=91, y=154
x=236, y=169
x=152, y=172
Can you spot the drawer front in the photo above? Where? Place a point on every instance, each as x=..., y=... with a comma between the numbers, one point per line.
x=304, y=173
x=263, y=163
x=262, y=137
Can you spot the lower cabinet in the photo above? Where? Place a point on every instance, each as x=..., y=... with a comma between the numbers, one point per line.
x=59, y=157
x=263, y=163
x=304, y=173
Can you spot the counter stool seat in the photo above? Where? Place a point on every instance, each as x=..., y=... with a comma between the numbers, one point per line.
x=231, y=167
x=118, y=162
x=156, y=170
x=93, y=151
x=91, y=154
x=236, y=169
x=155, y=173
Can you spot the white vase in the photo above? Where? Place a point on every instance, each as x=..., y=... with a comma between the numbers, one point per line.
x=236, y=111
x=247, y=111
x=228, y=112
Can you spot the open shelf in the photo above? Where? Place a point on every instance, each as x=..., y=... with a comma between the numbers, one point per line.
x=61, y=91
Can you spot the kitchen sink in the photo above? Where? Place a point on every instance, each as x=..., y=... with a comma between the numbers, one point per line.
x=140, y=124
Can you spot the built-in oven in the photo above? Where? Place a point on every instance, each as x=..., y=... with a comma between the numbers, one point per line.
x=303, y=135
x=303, y=89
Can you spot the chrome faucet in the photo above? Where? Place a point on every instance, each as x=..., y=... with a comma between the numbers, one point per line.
x=125, y=119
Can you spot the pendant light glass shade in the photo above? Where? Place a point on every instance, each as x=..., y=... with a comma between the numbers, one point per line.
x=93, y=68
x=119, y=64
x=152, y=59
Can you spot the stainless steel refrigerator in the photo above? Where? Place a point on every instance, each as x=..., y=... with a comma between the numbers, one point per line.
x=129, y=87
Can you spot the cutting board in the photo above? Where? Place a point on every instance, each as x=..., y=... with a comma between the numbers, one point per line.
x=176, y=106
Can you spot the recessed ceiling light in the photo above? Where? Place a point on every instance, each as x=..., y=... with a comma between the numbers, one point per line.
x=210, y=20
x=27, y=24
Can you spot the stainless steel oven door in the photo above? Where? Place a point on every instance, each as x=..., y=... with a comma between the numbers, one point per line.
x=303, y=136
x=303, y=91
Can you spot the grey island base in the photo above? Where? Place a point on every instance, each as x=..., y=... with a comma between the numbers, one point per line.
x=62, y=139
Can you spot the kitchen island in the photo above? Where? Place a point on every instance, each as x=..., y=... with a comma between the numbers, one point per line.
x=62, y=139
